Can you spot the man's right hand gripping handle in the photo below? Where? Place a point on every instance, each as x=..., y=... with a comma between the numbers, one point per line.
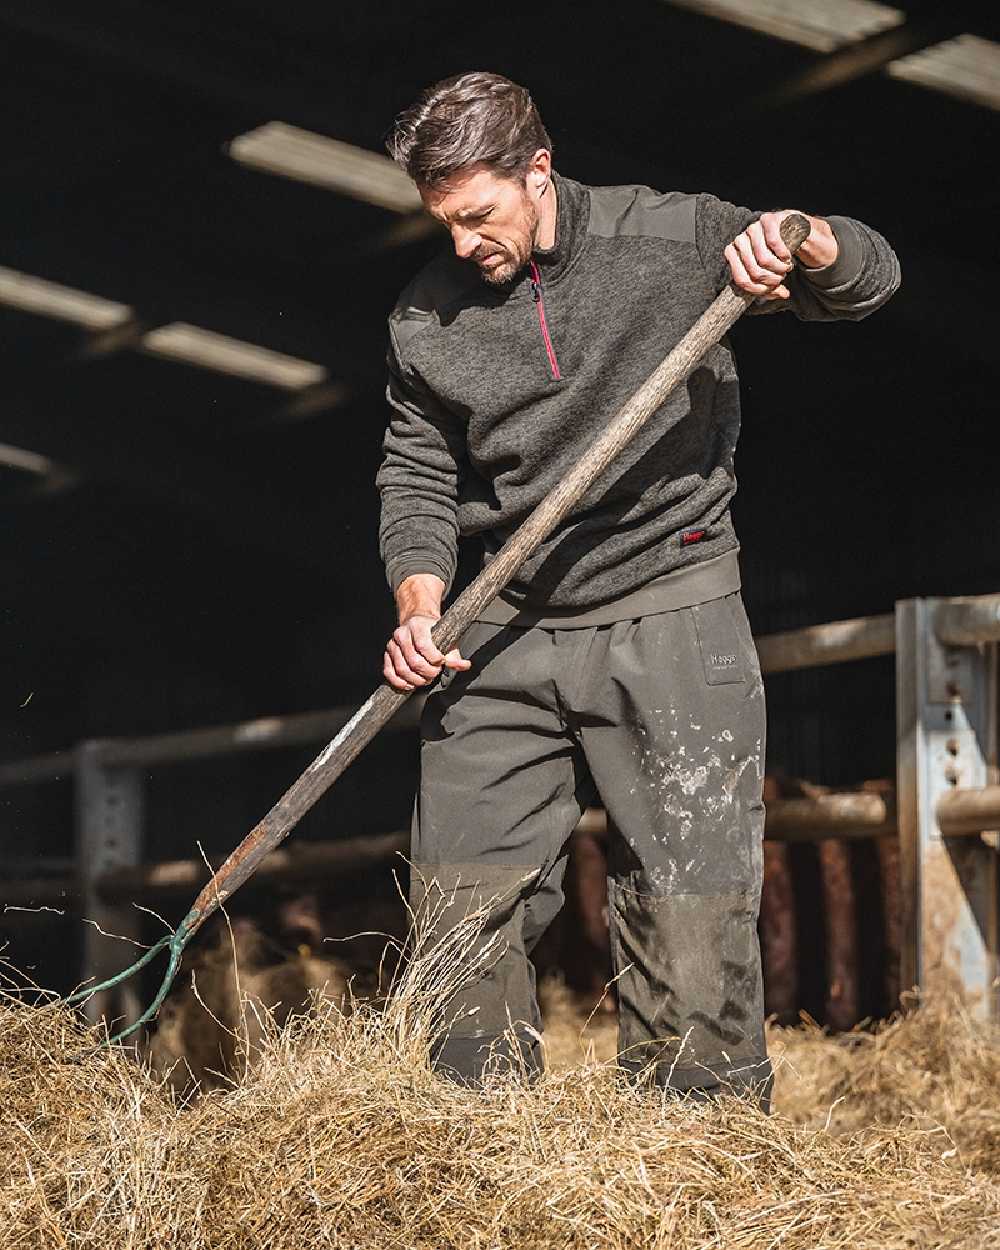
x=411, y=658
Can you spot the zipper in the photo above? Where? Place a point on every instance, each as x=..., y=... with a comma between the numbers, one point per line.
x=536, y=295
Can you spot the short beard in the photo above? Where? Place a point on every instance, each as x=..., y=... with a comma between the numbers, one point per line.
x=519, y=250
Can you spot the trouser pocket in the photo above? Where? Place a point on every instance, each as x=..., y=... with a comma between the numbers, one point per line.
x=719, y=643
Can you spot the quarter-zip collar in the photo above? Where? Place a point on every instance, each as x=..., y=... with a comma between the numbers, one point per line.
x=543, y=325
x=572, y=218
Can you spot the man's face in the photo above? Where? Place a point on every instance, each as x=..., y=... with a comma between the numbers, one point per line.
x=492, y=221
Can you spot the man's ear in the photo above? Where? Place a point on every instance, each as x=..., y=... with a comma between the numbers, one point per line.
x=539, y=172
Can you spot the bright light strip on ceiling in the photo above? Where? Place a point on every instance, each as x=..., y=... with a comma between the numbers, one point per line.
x=49, y=299
x=193, y=346
x=822, y=25
x=279, y=148
x=967, y=67
x=28, y=461
x=178, y=341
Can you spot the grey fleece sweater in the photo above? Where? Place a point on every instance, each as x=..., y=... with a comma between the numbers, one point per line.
x=495, y=393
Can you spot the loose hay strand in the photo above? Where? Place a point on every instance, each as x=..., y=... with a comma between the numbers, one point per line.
x=338, y=1134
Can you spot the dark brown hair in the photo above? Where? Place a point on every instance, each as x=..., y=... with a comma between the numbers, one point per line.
x=471, y=119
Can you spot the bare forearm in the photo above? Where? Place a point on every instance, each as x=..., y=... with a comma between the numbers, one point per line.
x=411, y=659
x=759, y=259
x=419, y=595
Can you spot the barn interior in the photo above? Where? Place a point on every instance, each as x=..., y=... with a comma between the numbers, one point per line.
x=201, y=244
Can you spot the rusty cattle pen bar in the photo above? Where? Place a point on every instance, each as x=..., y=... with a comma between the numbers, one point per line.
x=948, y=788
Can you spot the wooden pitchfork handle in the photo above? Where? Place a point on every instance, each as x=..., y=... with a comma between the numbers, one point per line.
x=386, y=701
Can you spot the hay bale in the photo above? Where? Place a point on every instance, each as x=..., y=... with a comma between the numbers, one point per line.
x=934, y=1068
x=340, y=1136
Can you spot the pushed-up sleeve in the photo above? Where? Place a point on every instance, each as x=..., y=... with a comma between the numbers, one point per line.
x=424, y=454
x=861, y=279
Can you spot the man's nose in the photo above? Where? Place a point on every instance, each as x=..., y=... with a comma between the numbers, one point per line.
x=466, y=242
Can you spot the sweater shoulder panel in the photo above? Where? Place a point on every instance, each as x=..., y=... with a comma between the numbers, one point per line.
x=641, y=212
x=441, y=285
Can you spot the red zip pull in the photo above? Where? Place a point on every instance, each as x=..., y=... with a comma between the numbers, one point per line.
x=536, y=295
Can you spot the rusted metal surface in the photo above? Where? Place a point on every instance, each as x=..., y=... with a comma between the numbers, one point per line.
x=584, y=952
x=777, y=922
x=829, y=908
x=889, y=882
x=842, y=1005
x=778, y=945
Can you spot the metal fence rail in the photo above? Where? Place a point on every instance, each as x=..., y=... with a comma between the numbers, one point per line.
x=198, y=744
x=947, y=799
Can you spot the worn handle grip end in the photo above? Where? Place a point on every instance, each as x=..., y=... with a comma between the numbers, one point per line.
x=794, y=230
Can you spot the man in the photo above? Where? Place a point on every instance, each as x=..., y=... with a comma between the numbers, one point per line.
x=619, y=664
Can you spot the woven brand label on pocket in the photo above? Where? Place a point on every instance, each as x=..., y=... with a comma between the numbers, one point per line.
x=721, y=655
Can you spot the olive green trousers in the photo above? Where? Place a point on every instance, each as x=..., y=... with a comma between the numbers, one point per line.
x=661, y=719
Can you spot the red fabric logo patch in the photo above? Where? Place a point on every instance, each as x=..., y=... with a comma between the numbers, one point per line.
x=692, y=536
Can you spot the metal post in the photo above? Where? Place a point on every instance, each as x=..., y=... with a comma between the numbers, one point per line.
x=946, y=739
x=109, y=813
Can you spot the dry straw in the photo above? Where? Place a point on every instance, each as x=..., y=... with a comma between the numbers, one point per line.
x=339, y=1135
